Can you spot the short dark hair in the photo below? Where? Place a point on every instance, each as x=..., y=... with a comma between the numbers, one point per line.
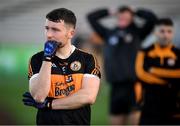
x=62, y=14
x=164, y=21
x=124, y=9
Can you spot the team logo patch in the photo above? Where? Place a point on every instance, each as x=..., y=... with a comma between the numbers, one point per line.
x=128, y=38
x=113, y=40
x=171, y=62
x=75, y=66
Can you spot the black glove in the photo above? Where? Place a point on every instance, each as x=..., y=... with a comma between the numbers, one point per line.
x=50, y=48
x=29, y=101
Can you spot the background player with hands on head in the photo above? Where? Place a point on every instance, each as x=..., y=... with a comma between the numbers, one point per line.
x=63, y=80
x=120, y=48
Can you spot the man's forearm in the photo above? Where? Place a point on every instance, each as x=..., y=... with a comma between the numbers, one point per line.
x=40, y=86
x=74, y=101
x=98, y=14
x=94, y=18
x=144, y=75
x=146, y=14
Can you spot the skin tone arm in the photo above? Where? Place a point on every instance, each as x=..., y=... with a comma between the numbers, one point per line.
x=39, y=86
x=86, y=95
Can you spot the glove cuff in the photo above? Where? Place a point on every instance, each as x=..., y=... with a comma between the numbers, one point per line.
x=47, y=58
x=49, y=104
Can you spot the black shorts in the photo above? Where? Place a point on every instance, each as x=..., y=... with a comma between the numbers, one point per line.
x=159, y=106
x=158, y=119
x=122, y=98
x=79, y=116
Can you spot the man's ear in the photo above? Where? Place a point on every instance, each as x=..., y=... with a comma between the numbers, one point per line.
x=156, y=30
x=71, y=33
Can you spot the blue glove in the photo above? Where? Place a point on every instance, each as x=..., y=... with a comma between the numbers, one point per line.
x=29, y=101
x=50, y=48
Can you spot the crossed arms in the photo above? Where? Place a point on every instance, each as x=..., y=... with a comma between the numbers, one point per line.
x=39, y=86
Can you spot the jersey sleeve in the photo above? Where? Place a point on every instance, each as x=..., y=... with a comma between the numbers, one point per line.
x=92, y=66
x=34, y=66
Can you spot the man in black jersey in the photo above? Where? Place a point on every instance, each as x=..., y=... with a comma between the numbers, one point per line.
x=158, y=69
x=63, y=80
x=120, y=47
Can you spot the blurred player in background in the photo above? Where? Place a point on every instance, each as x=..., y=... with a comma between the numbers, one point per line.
x=158, y=69
x=63, y=80
x=120, y=48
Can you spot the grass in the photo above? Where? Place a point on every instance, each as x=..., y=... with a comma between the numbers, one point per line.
x=100, y=108
x=13, y=87
x=11, y=97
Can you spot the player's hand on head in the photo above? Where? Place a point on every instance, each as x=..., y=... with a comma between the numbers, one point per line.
x=50, y=48
x=29, y=101
x=112, y=11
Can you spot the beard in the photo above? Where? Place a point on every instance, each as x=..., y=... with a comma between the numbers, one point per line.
x=164, y=41
x=61, y=45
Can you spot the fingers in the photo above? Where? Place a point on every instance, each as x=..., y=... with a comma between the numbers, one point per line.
x=27, y=94
x=29, y=104
x=28, y=100
x=50, y=48
x=53, y=44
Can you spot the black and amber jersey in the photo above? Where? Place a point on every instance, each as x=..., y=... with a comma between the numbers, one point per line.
x=158, y=65
x=158, y=69
x=66, y=79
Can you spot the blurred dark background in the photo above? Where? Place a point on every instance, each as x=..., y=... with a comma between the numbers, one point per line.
x=22, y=35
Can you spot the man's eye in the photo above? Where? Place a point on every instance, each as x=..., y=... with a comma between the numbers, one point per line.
x=46, y=28
x=54, y=29
x=169, y=31
x=162, y=31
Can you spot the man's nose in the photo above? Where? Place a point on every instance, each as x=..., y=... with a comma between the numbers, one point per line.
x=49, y=34
x=166, y=35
